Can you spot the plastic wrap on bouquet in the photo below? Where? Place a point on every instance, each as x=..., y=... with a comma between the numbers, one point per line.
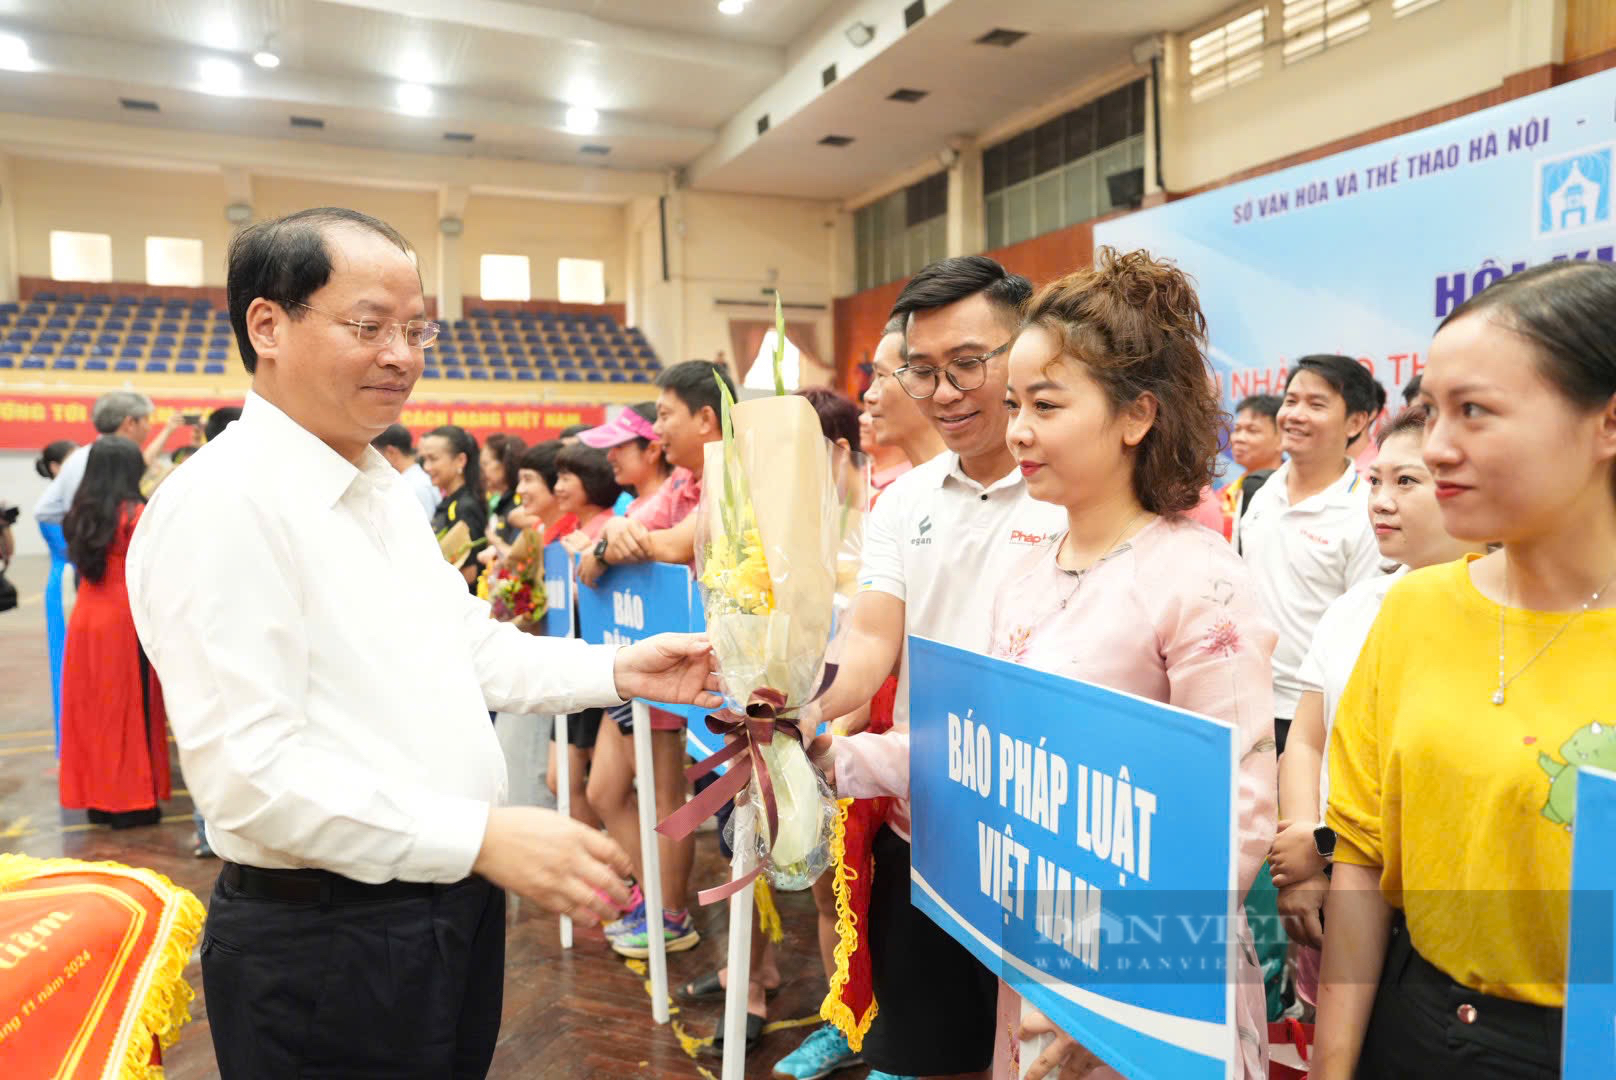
x=780, y=506
x=514, y=585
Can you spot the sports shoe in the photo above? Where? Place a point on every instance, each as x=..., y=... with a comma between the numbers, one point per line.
x=636, y=915
x=678, y=934
x=877, y=1074
x=820, y=1054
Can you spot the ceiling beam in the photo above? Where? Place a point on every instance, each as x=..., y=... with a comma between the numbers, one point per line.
x=509, y=17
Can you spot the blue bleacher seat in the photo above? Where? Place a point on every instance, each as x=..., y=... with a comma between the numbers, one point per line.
x=50, y=337
x=572, y=376
x=114, y=325
x=64, y=363
x=185, y=367
x=616, y=377
x=124, y=301
x=218, y=355
x=449, y=360
x=156, y=367
x=595, y=376
x=47, y=297
x=132, y=352
x=213, y=369
x=101, y=298
x=502, y=373
x=190, y=354
x=95, y=364
x=478, y=373
x=429, y=373
x=83, y=337
x=161, y=353
x=126, y=365
x=74, y=348
x=12, y=348
x=453, y=373
x=57, y=322
x=73, y=298
x=168, y=326
x=143, y=326
x=192, y=341
x=33, y=363
x=526, y=376
x=28, y=321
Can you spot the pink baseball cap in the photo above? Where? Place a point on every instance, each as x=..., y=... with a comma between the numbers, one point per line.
x=629, y=425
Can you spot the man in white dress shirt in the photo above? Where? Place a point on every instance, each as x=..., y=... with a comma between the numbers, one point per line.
x=328, y=681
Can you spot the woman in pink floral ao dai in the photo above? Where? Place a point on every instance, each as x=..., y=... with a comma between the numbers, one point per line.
x=1114, y=416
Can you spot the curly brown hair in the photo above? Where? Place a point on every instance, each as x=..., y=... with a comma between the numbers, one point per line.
x=1136, y=326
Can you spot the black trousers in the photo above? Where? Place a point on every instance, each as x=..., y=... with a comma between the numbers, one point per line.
x=398, y=988
x=1426, y=1025
x=936, y=1003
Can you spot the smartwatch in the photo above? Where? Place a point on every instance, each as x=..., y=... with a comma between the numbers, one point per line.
x=1324, y=842
x=600, y=551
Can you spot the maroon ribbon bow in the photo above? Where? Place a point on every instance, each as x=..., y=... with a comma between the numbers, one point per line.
x=763, y=719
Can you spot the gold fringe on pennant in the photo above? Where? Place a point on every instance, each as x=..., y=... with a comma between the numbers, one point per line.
x=767, y=914
x=163, y=1004
x=834, y=1010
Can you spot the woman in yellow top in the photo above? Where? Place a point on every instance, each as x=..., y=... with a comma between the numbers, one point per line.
x=1481, y=688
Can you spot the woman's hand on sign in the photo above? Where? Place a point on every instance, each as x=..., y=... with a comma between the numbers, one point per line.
x=676, y=668
x=590, y=568
x=1064, y=1053
x=577, y=542
x=1294, y=856
x=626, y=541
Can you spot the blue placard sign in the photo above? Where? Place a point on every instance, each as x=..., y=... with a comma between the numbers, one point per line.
x=1081, y=843
x=1590, y=1008
x=558, y=591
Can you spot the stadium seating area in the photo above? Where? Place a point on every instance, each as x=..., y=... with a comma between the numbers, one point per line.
x=73, y=332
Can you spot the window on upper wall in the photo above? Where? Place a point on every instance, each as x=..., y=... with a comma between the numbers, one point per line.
x=581, y=281
x=80, y=256
x=173, y=260
x=505, y=277
x=1228, y=55
x=1060, y=172
x=897, y=235
x=1311, y=26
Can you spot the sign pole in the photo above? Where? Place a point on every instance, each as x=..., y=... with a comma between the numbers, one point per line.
x=739, y=963
x=650, y=862
x=563, y=799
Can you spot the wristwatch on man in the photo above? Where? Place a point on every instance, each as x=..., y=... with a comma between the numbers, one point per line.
x=1324, y=842
x=600, y=551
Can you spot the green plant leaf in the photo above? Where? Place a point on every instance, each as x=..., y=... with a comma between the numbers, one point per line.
x=779, y=346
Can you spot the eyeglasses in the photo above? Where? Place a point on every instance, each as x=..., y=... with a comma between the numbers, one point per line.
x=966, y=374
x=380, y=332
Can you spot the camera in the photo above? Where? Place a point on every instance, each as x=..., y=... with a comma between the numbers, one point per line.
x=8, y=515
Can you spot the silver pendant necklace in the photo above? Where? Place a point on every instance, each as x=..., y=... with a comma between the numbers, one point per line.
x=1503, y=683
x=1116, y=546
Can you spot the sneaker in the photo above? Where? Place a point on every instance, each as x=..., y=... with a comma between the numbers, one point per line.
x=877, y=1074
x=820, y=1054
x=635, y=916
x=678, y=933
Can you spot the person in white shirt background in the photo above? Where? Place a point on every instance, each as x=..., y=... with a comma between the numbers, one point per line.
x=935, y=547
x=398, y=447
x=1409, y=532
x=1306, y=533
x=329, y=679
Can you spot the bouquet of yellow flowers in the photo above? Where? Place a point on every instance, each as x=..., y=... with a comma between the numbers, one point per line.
x=779, y=503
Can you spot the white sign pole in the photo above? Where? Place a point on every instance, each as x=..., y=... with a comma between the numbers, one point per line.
x=739, y=964
x=563, y=798
x=650, y=862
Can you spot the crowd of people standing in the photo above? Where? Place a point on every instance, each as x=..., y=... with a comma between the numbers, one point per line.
x=1406, y=800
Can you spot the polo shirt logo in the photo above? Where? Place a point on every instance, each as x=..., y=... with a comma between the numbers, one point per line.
x=924, y=528
x=1027, y=539
x=1322, y=541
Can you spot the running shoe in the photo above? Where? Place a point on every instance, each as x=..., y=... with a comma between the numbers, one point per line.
x=822, y=1053
x=678, y=932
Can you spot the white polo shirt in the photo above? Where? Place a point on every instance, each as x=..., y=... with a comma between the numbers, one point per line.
x=940, y=542
x=1302, y=557
x=1334, y=653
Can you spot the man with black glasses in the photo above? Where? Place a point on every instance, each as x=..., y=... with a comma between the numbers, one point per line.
x=933, y=549
x=328, y=680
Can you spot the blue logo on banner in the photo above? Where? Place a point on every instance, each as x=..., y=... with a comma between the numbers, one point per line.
x=1589, y=1049
x=1573, y=192
x=558, y=590
x=1102, y=826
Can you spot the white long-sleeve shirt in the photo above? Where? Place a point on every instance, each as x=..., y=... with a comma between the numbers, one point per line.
x=327, y=676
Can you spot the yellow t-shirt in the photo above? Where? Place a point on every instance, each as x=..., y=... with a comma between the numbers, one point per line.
x=1466, y=805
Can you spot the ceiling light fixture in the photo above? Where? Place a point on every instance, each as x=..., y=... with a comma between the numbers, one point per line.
x=582, y=119
x=414, y=98
x=14, y=54
x=860, y=34
x=266, y=59
x=731, y=7
x=219, y=76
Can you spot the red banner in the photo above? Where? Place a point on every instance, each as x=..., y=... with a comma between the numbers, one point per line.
x=28, y=422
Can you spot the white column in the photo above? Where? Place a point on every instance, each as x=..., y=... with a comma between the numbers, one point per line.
x=965, y=231
x=449, y=284
x=8, y=238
